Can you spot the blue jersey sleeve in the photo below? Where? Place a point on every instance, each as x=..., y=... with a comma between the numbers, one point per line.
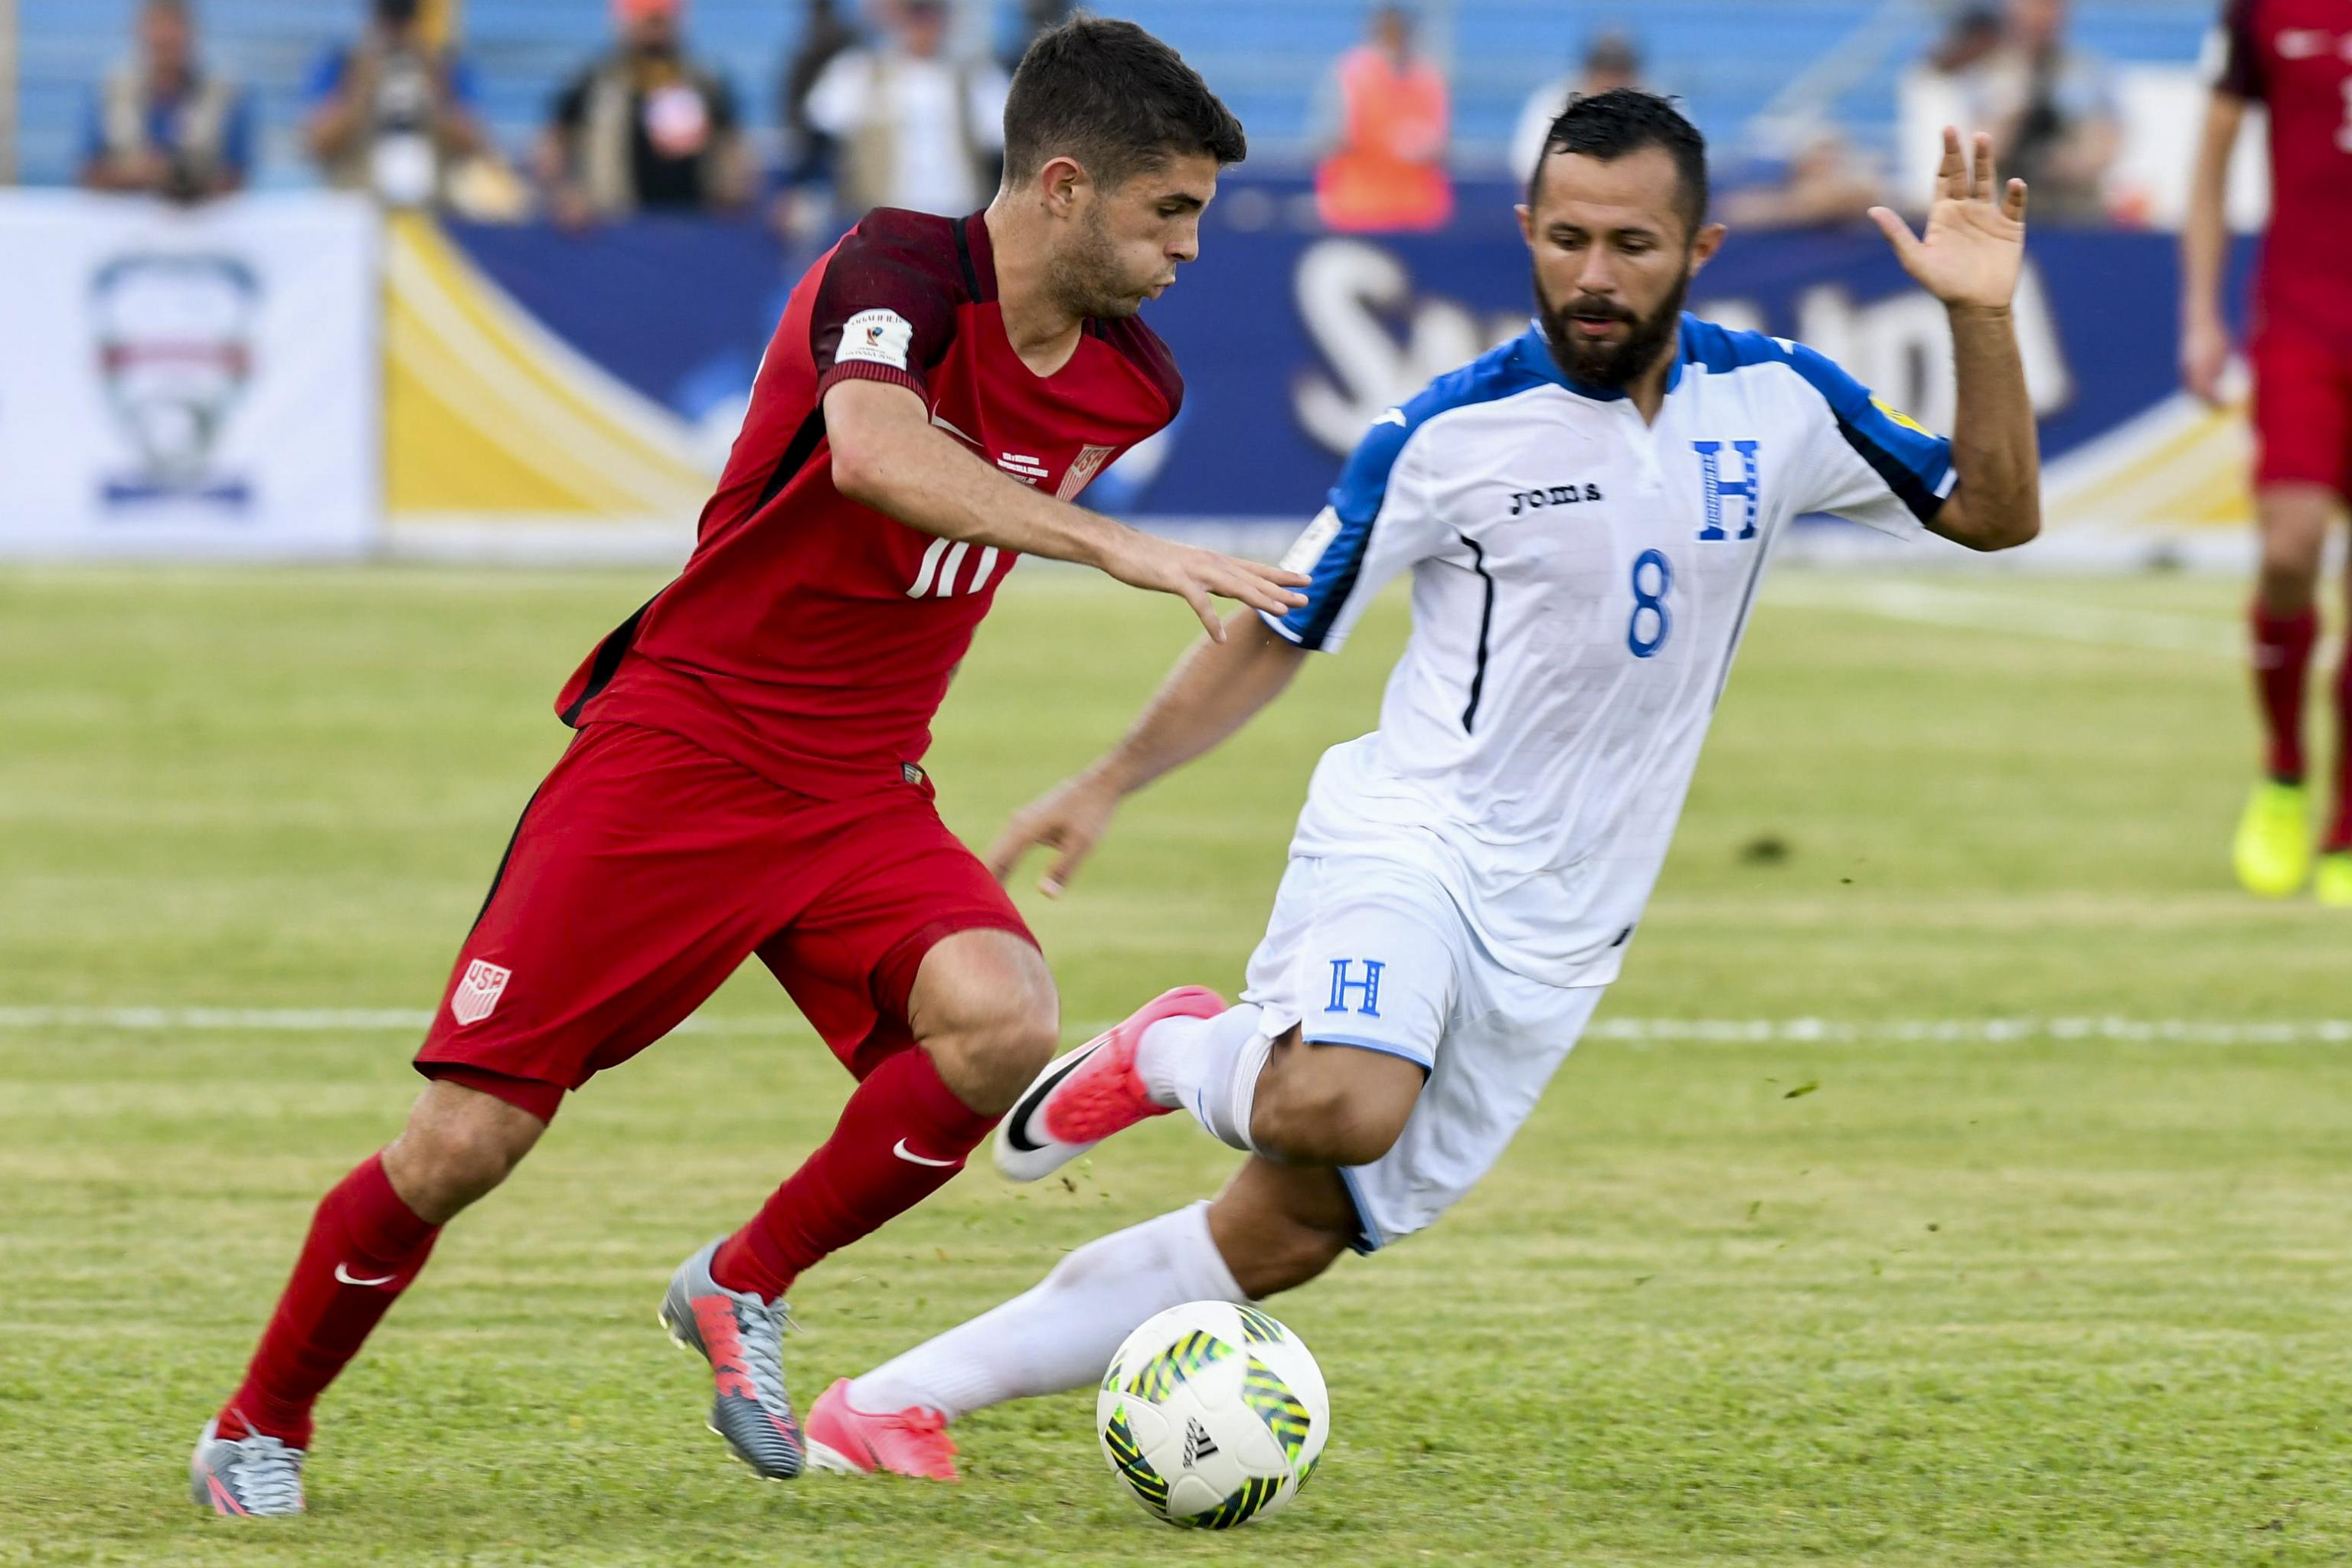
x=1891, y=454
x=1334, y=549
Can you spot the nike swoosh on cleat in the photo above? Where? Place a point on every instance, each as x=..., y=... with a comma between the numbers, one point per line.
x=346, y=1275
x=914, y=1159
x=1016, y=1126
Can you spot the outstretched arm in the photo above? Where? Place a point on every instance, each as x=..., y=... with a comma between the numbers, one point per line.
x=1215, y=688
x=887, y=455
x=1971, y=259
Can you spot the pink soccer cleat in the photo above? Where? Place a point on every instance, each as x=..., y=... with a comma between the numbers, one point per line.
x=847, y=1441
x=1085, y=1096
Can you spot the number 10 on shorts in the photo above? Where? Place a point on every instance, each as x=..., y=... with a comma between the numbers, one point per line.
x=1346, y=983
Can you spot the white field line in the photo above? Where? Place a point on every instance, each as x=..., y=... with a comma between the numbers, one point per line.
x=2018, y=615
x=1623, y=1031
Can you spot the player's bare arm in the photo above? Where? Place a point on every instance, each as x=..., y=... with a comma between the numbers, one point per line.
x=1215, y=688
x=2205, y=250
x=1971, y=258
x=886, y=455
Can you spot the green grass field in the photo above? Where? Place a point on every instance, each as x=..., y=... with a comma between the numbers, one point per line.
x=2039, y=1296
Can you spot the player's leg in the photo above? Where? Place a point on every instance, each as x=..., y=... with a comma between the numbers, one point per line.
x=2299, y=412
x=368, y=1241
x=597, y=938
x=2333, y=883
x=982, y=1017
x=1320, y=1064
x=1274, y=1228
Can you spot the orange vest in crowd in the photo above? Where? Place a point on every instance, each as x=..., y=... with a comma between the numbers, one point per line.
x=1389, y=171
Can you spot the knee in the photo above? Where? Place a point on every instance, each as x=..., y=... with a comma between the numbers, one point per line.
x=992, y=1031
x=456, y=1150
x=1009, y=1049
x=2295, y=527
x=1310, y=1120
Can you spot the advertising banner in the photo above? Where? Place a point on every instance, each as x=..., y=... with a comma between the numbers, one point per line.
x=180, y=381
x=1292, y=343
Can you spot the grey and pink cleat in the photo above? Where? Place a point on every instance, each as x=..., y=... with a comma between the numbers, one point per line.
x=848, y=1441
x=742, y=1337
x=253, y=1477
x=1085, y=1096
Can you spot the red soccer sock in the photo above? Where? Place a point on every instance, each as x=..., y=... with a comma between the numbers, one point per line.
x=902, y=1135
x=2339, y=832
x=364, y=1248
x=2283, y=646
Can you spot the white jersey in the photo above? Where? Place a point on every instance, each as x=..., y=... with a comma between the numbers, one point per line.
x=1580, y=580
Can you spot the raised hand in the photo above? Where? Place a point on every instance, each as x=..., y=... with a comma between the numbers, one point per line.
x=1974, y=250
x=1201, y=576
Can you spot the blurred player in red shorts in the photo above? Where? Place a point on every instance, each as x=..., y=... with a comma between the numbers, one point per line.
x=746, y=779
x=2295, y=57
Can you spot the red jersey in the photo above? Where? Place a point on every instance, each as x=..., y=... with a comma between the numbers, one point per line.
x=2295, y=56
x=810, y=638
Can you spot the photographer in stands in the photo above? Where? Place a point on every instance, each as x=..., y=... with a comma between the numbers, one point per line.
x=161, y=125
x=394, y=114
x=646, y=129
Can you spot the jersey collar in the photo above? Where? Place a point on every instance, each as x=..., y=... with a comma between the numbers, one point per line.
x=1534, y=355
x=976, y=254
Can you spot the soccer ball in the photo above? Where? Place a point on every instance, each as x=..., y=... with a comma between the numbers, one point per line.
x=1214, y=1415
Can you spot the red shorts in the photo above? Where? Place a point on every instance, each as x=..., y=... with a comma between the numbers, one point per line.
x=643, y=874
x=2302, y=411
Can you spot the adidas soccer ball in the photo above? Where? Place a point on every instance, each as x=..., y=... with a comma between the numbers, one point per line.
x=1212, y=1415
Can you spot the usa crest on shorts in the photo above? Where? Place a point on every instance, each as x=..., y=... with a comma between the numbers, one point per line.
x=479, y=992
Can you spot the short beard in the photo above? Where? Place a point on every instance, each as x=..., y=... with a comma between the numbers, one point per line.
x=1615, y=366
x=1085, y=280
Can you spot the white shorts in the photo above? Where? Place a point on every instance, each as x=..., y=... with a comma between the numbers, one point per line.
x=1374, y=955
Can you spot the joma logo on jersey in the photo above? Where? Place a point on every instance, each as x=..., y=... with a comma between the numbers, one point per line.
x=1557, y=495
x=1719, y=489
x=1344, y=986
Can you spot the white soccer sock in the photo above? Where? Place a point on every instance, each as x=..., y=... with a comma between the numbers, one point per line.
x=1209, y=1067
x=1062, y=1332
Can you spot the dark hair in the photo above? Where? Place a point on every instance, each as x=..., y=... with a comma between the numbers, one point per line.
x=1610, y=125
x=1115, y=98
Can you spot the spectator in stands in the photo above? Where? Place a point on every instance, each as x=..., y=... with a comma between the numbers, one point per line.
x=645, y=128
x=163, y=125
x=810, y=154
x=1974, y=37
x=394, y=114
x=915, y=127
x=1386, y=169
x=2051, y=109
x=1612, y=60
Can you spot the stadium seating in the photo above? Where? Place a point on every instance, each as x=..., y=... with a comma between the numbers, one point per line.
x=1729, y=61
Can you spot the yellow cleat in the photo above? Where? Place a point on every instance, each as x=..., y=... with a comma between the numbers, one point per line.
x=2274, y=845
x=2334, y=884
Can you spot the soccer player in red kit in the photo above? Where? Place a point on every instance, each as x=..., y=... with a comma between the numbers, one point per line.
x=747, y=773
x=2295, y=57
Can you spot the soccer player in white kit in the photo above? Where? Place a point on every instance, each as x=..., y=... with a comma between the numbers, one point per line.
x=1586, y=513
